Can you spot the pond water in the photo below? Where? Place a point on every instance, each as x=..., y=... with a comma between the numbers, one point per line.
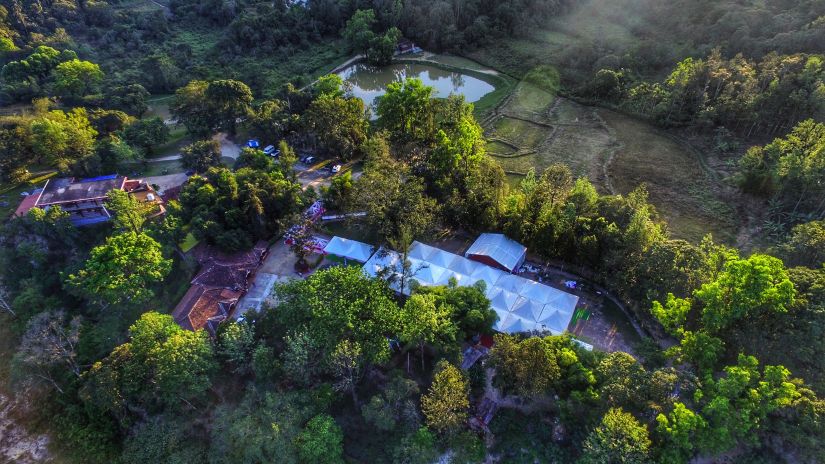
x=370, y=82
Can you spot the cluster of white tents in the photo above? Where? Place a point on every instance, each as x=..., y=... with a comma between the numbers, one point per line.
x=522, y=305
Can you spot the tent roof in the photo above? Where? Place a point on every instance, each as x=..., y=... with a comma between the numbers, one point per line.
x=516, y=324
x=383, y=260
x=506, y=252
x=521, y=304
x=349, y=249
x=426, y=273
x=464, y=266
x=528, y=309
x=488, y=274
x=512, y=282
x=563, y=302
x=501, y=299
x=441, y=258
x=418, y=251
x=554, y=321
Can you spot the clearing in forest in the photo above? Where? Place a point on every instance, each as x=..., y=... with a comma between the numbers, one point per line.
x=533, y=129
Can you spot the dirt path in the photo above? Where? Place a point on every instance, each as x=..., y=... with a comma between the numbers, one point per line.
x=229, y=149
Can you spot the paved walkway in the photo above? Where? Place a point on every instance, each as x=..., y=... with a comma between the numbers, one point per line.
x=166, y=182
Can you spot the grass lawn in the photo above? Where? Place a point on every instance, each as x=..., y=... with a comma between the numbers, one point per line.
x=530, y=98
x=683, y=193
x=351, y=230
x=178, y=138
x=498, y=148
x=10, y=199
x=188, y=242
x=159, y=168
x=522, y=133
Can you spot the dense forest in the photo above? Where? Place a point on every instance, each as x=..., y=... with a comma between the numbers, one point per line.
x=339, y=368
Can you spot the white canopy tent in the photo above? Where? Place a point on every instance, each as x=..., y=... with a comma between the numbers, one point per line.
x=522, y=305
x=528, y=309
x=507, y=253
x=349, y=249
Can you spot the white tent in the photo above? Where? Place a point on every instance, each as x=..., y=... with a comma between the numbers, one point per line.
x=511, y=283
x=460, y=279
x=515, y=324
x=463, y=265
x=562, y=301
x=554, y=321
x=528, y=309
x=349, y=249
x=522, y=305
x=502, y=317
x=426, y=273
x=441, y=258
x=384, y=262
x=507, y=253
x=418, y=251
x=501, y=299
x=487, y=274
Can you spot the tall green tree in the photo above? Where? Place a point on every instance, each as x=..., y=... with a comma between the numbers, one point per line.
x=130, y=214
x=62, y=138
x=620, y=439
x=526, y=367
x=358, y=31
x=161, y=366
x=147, y=134
x=680, y=432
x=340, y=303
x=321, y=441
x=124, y=268
x=426, y=321
x=338, y=124
x=446, y=403
x=394, y=198
x=208, y=107
x=75, y=78
x=201, y=155
x=405, y=111
x=746, y=288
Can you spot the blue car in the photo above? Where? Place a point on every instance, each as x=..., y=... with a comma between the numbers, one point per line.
x=252, y=143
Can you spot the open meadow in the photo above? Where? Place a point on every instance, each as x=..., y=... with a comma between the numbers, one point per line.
x=533, y=129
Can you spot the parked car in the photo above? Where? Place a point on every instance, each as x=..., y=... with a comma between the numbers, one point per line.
x=309, y=160
x=335, y=169
x=269, y=150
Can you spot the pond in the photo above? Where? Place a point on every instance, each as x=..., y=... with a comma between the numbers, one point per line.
x=370, y=82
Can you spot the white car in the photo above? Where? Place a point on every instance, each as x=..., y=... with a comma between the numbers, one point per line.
x=269, y=150
x=336, y=169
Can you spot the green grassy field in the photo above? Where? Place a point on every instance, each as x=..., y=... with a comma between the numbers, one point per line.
x=525, y=134
x=616, y=152
x=159, y=168
x=683, y=193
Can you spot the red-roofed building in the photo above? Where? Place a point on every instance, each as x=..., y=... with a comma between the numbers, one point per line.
x=28, y=203
x=222, y=280
x=205, y=307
